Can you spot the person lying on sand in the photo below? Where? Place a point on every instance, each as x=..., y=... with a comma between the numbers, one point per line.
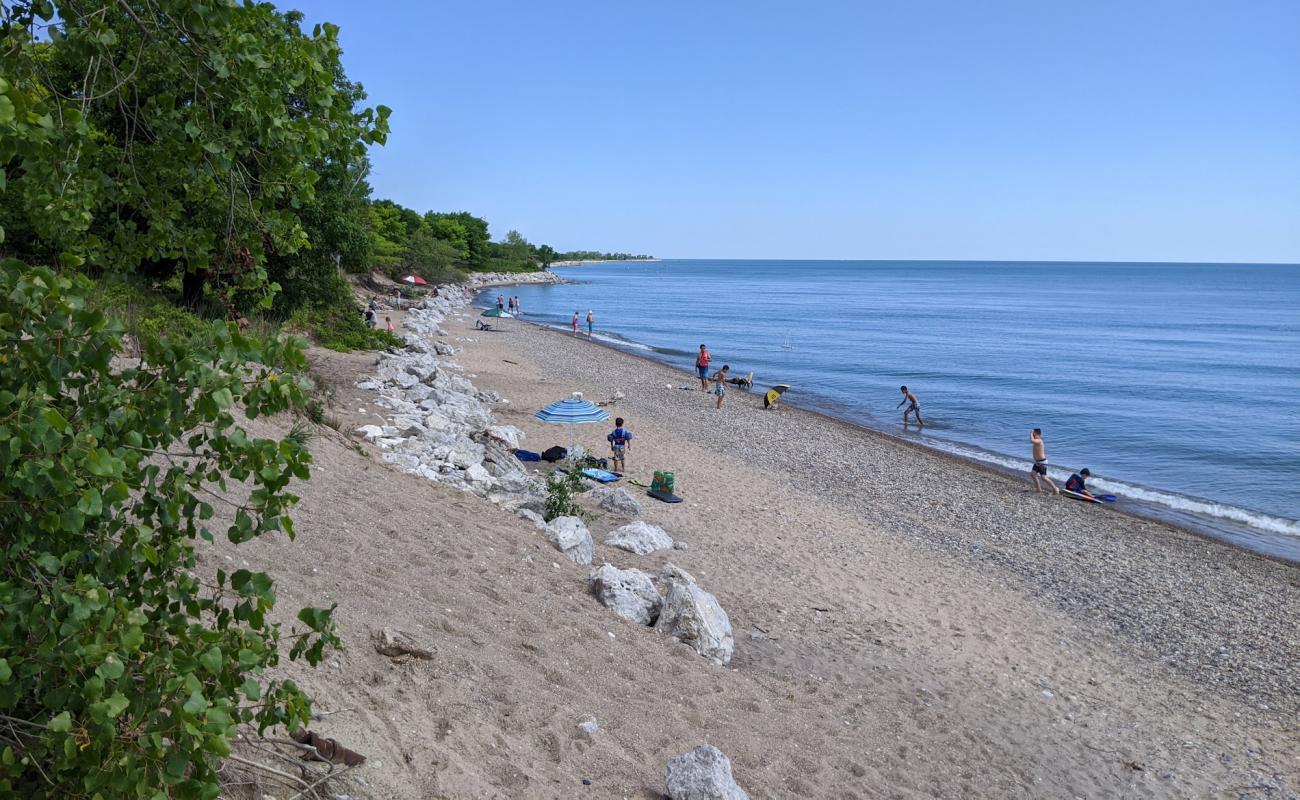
x=1040, y=461
x=1077, y=483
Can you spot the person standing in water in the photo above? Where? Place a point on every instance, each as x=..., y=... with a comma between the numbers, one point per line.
x=1040, y=461
x=914, y=408
x=591, y=324
x=720, y=384
x=575, y=323
x=702, y=367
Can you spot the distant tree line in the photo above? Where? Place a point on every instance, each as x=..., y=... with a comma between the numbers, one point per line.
x=593, y=255
x=439, y=245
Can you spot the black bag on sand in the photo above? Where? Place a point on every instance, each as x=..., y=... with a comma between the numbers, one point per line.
x=556, y=453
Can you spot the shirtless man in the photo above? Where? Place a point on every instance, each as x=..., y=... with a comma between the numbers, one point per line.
x=1040, y=461
x=915, y=406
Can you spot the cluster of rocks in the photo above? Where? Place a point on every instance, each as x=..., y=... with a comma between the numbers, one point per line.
x=483, y=279
x=440, y=426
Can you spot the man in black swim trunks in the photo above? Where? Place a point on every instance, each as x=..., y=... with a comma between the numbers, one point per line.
x=1040, y=461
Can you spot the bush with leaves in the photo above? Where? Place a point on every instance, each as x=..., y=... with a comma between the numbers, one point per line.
x=124, y=669
x=562, y=490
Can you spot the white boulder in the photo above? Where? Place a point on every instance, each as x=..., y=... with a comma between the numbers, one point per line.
x=571, y=537
x=630, y=593
x=694, y=617
x=619, y=501
x=639, y=537
x=703, y=774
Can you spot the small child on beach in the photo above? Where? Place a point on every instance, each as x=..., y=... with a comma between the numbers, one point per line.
x=389, y=320
x=720, y=384
x=620, y=441
x=575, y=323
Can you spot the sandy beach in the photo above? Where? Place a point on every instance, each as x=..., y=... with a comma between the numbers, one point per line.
x=906, y=625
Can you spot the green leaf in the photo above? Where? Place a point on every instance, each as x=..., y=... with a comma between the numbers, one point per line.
x=212, y=659
x=61, y=723
x=111, y=669
x=116, y=704
x=223, y=398
x=5, y=672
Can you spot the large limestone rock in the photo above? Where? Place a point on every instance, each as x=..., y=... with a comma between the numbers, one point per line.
x=703, y=774
x=693, y=616
x=639, y=537
x=627, y=592
x=619, y=501
x=571, y=537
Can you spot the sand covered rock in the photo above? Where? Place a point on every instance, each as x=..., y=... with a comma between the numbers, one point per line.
x=571, y=537
x=630, y=593
x=618, y=501
x=694, y=617
x=639, y=537
x=395, y=643
x=703, y=774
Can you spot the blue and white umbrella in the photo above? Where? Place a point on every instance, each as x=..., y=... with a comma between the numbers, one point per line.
x=574, y=411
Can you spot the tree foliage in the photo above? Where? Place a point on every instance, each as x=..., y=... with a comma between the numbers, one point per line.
x=124, y=668
x=172, y=136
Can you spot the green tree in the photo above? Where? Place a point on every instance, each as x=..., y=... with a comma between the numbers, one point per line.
x=125, y=669
x=546, y=256
x=173, y=137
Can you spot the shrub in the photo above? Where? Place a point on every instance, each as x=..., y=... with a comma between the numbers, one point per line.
x=562, y=490
x=340, y=327
x=124, y=672
x=144, y=311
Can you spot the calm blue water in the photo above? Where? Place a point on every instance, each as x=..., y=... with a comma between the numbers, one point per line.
x=1177, y=384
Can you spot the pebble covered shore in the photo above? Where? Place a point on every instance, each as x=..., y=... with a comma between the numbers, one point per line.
x=1222, y=616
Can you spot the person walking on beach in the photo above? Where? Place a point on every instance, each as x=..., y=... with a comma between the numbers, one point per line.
x=702, y=367
x=720, y=384
x=620, y=441
x=501, y=303
x=1040, y=461
x=591, y=324
x=575, y=323
x=914, y=408
x=398, y=299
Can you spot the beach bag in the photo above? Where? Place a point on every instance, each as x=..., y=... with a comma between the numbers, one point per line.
x=556, y=453
x=661, y=488
x=527, y=455
x=664, y=482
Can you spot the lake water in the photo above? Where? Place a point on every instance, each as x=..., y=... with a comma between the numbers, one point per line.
x=1178, y=385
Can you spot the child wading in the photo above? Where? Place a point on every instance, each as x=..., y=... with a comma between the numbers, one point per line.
x=720, y=384
x=620, y=441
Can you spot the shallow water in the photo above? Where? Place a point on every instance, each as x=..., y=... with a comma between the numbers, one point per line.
x=1178, y=385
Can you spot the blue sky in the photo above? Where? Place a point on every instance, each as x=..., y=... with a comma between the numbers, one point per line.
x=1003, y=130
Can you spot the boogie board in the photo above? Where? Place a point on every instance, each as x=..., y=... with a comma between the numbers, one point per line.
x=664, y=496
x=604, y=476
x=1080, y=497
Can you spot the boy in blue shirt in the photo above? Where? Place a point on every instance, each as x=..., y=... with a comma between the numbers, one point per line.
x=620, y=440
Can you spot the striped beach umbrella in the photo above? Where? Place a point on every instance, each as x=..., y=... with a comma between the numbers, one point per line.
x=574, y=411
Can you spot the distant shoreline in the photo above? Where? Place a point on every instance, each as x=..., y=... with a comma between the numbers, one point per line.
x=602, y=261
